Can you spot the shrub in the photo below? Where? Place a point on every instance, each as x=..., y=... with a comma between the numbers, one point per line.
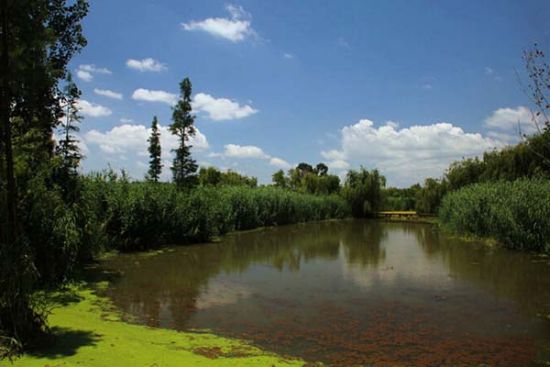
x=516, y=213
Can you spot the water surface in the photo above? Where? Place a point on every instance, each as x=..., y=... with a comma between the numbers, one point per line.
x=351, y=292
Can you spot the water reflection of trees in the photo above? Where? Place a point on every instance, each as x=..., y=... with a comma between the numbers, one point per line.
x=162, y=290
x=513, y=275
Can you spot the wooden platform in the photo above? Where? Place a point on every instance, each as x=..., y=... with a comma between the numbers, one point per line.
x=396, y=214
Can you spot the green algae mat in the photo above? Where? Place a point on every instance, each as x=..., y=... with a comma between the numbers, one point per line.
x=88, y=332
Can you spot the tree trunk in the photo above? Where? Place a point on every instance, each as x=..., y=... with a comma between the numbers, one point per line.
x=11, y=194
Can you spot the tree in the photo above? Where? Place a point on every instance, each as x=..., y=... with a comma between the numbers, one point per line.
x=209, y=176
x=303, y=168
x=184, y=167
x=429, y=197
x=363, y=191
x=67, y=147
x=538, y=70
x=38, y=39
x=321, y=169
x=279, y=179
x=155, y=162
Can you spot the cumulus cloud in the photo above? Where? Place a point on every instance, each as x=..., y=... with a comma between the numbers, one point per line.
x=84, y=75
x=236, y=28
x=108, y=93
x=86, y=72
x=250, y=152
x=132, y=138
x=244, y=151
x=147, y=64
x=280, y=163
x=513, y=118
x=338, y=164
x=406, y=155
x=219, y=109
x=154, y=96
x=94, y=69
x=92, y=110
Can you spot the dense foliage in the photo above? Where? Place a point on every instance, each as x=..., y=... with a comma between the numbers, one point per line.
x=306, y=178
x=363, y=191
x=400, y=199
x=37, y=181
x=515, y=213
x=138, y=215
x=211, y=176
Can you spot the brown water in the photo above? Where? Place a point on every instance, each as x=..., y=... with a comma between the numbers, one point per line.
x=349, y=293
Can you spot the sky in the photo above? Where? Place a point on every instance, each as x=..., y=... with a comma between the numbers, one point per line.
x=403, y=86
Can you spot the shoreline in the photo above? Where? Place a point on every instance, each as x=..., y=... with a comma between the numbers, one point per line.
x=87, y=330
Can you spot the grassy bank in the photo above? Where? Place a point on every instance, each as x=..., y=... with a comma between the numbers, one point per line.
x=515, y=214
x=87, y=332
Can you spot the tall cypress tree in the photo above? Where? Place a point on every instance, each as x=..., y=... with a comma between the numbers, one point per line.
x=68, y=145
x=184, y=167
x=67, y=148
x=155, y=163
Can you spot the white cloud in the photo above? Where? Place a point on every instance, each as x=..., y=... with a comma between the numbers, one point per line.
x=338, y=164
x=280, y=163
x=235, y=29
x=126, y=120
x=84, y=75
x=244, y=151
x=249, y=152
x=219, y=109
x=489, y=70
x=132, y=139
x=94, y=70
x=334, y=155
x=86, y=72
x=154, y=96
x=512, y=118
x=93, y=110
x=147, y=64
x=108, y=93
x=287, y=55
x=406, y=155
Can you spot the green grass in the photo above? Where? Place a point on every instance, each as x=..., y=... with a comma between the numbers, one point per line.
x=88, y=332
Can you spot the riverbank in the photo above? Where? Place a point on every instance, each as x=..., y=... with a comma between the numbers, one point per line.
x=88, y=331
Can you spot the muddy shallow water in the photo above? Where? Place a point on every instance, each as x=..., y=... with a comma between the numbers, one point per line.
x=351, y=292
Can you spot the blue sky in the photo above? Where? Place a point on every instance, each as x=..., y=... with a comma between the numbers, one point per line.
x=405, y=86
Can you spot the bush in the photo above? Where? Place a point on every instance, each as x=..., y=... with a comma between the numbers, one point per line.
x=517, y=213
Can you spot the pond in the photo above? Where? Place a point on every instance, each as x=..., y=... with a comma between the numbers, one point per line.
x=352, y=292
